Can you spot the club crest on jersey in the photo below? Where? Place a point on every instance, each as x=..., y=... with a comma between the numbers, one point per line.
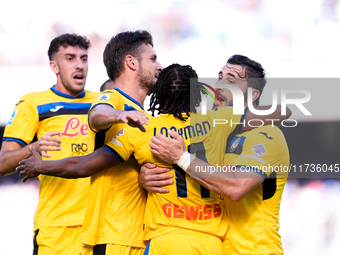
x=104, y=97
x=73, y=128
x=234, y=144
x=12, y=117
x=259, y=150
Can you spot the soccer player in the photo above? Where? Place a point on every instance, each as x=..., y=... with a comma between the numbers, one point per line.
x=59, y=111
x=108, y=84
x=115, y=212
x=258, y=161
x=189, y=213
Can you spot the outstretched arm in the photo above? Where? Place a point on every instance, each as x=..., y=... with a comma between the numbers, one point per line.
x=70, y=168
x=12, y=152
x=104, y=116
x=233, y=185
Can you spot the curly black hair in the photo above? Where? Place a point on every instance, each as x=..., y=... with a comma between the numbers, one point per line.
x=177, y=90
x=67, y=40
x=121, y=45
x=254, y=72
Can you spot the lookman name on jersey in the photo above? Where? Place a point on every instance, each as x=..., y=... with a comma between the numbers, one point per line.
x=188, y=204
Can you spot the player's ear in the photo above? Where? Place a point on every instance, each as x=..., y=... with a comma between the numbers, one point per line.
x=54, y=66
x=255, y=94
x=131, y=62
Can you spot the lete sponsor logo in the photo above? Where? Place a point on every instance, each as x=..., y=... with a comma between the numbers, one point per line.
x=73, y=127
x=259, y=150
x=104, y=97
x=121, y=132
x=12, y=117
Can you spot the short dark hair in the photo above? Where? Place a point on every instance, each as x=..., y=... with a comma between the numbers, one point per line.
x=121, y=45
x=174, y=93
x=67, y=40
x=104, y=85
x=254, y=72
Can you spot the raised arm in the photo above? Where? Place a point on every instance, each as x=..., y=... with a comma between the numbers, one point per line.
x=233, y=185
x=70, y=168
x=103, y=116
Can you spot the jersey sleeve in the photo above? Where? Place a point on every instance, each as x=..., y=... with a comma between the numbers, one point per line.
x=108, y=97
x=23, y=123
x=124, y=143
x=212, y=131
x=263, y=153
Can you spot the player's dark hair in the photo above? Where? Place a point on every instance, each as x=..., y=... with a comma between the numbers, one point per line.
x=174, y=93
x=67, y=40
x=103, y=86
x=121, y=45
x=254, y=72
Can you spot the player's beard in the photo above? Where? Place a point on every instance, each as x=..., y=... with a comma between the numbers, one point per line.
x=146, y=80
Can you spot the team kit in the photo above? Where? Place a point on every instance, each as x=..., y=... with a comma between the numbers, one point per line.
x=115, y=179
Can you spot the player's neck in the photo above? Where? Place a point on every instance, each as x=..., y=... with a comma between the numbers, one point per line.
x=132, y=89
x=60, y=87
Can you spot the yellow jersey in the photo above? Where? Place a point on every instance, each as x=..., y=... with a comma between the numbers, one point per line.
x=61, y=201
x=254, y=220
x=116, y=205
x=188, y=205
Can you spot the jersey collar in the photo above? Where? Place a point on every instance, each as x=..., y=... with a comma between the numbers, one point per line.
x=130, y=98
x=54, y=90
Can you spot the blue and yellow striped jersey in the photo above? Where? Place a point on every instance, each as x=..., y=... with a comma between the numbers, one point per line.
x=61, y=202
x=115, y=210
x=188, y=205
x=254, y=220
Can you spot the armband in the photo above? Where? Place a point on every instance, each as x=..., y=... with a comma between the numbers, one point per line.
x=184, y=161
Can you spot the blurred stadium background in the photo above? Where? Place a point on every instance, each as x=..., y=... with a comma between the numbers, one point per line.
x=290, y=38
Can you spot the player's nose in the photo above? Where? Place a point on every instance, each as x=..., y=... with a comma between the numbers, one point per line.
x=159, y=67
x=80, y=64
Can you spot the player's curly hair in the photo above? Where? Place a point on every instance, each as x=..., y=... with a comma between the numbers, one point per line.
x=121, y=45
x=254, y=72
x=177, y=91
x=67, y=40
